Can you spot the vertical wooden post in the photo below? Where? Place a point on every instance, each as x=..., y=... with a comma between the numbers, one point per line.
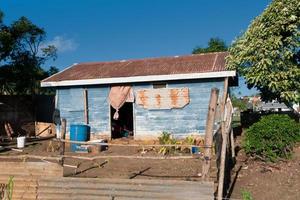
x=209, y=131
x=232, y=143
x=63, y=136
x=224, y=142
x=86, y=109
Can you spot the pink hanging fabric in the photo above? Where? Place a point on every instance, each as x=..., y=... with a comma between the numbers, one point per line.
x=118, y=95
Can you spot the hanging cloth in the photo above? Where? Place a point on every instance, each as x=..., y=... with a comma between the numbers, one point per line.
x=118, y=95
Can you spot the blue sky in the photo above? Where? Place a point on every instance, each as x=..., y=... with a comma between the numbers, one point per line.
x=103, y=30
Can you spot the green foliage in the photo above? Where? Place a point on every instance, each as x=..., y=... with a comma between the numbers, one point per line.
x=190, y=140
x=268, y=53
x=239, y=103
x=246, y=195
x=166, y=138
x=22, y=57
x=272, y=137
x=214, y=45
x=10, y=186
x=7, y=189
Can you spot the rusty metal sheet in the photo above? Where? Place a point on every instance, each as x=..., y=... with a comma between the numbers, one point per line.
x=196, y=63
x=165, y=98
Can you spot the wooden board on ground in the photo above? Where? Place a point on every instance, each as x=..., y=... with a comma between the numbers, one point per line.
x=25, y=176
x=39, y=180
x=96, y=188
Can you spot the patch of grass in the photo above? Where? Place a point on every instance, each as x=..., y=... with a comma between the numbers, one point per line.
x=246, y=195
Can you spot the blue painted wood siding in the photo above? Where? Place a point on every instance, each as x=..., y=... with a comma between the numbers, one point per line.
x=71, y=106
x=98, y=109
x=180, y=122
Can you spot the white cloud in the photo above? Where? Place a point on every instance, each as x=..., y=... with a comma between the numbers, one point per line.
x=62, y=44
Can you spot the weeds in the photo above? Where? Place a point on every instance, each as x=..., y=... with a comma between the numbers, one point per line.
x=7, y=189
x=166, y=138
x=183, y=145
x=246, y=195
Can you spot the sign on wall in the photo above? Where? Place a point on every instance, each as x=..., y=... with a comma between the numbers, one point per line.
x=165, y=98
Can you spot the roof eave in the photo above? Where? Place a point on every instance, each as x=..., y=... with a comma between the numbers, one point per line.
x=139, y=79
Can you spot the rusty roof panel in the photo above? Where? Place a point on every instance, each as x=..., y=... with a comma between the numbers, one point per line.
x=198, y=63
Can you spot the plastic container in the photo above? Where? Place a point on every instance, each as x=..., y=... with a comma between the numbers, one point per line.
x=78, y=133
x=21, y=142
x=194, y=150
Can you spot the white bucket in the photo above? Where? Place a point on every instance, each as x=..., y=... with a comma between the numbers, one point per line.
x=21, y=142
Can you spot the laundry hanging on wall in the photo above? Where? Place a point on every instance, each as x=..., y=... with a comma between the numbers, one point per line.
x=118, y=95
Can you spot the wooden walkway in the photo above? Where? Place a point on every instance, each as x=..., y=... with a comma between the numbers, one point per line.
x=37, y=180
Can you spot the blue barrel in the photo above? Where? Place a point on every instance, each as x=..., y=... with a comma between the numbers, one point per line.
x=78, y=133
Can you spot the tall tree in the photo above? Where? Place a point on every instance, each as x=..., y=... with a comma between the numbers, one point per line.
x=22, y=57
x=214, y=45
x=268, y=53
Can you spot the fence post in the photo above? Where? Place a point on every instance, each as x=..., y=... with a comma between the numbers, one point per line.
x=63, y=136
x=224, y=142
x=86, y=107
x=209, y=131
x=232, y=143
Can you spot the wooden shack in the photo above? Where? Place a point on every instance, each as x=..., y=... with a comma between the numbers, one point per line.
x=140, y=98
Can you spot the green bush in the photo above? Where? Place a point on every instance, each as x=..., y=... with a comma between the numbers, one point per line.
x=272, y=137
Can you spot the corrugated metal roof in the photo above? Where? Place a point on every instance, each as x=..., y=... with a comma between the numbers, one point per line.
x=198, y=63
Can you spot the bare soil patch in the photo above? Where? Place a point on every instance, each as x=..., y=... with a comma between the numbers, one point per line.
x=265, y=181
x=181, y=169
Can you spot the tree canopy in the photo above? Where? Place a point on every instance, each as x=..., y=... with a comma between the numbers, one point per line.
x=22, y=56
x=268, y=53
x=214, y=45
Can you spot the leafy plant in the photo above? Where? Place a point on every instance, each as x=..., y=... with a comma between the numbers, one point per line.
x=7, y=189
x=272, y=137
x=10, y=186
x=166, y=138
x=190, y=140
x=268, y=53
x=246, y=195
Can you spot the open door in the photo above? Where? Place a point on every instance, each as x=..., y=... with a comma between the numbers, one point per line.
x=123, y=126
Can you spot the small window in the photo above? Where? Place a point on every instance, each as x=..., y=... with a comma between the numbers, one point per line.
x=159, y=85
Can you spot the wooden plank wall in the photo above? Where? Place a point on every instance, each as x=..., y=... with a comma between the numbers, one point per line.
x=149, y=123
x=190, y=119
x=98, y=109
x=71, y=105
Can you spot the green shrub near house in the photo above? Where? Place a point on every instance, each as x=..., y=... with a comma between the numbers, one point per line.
x=272, y=137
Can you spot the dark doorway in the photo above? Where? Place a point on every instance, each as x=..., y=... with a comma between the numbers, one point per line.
x=123, y=127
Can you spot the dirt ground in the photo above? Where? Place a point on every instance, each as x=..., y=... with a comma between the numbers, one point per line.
x=183, y=169
x=267, y=181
